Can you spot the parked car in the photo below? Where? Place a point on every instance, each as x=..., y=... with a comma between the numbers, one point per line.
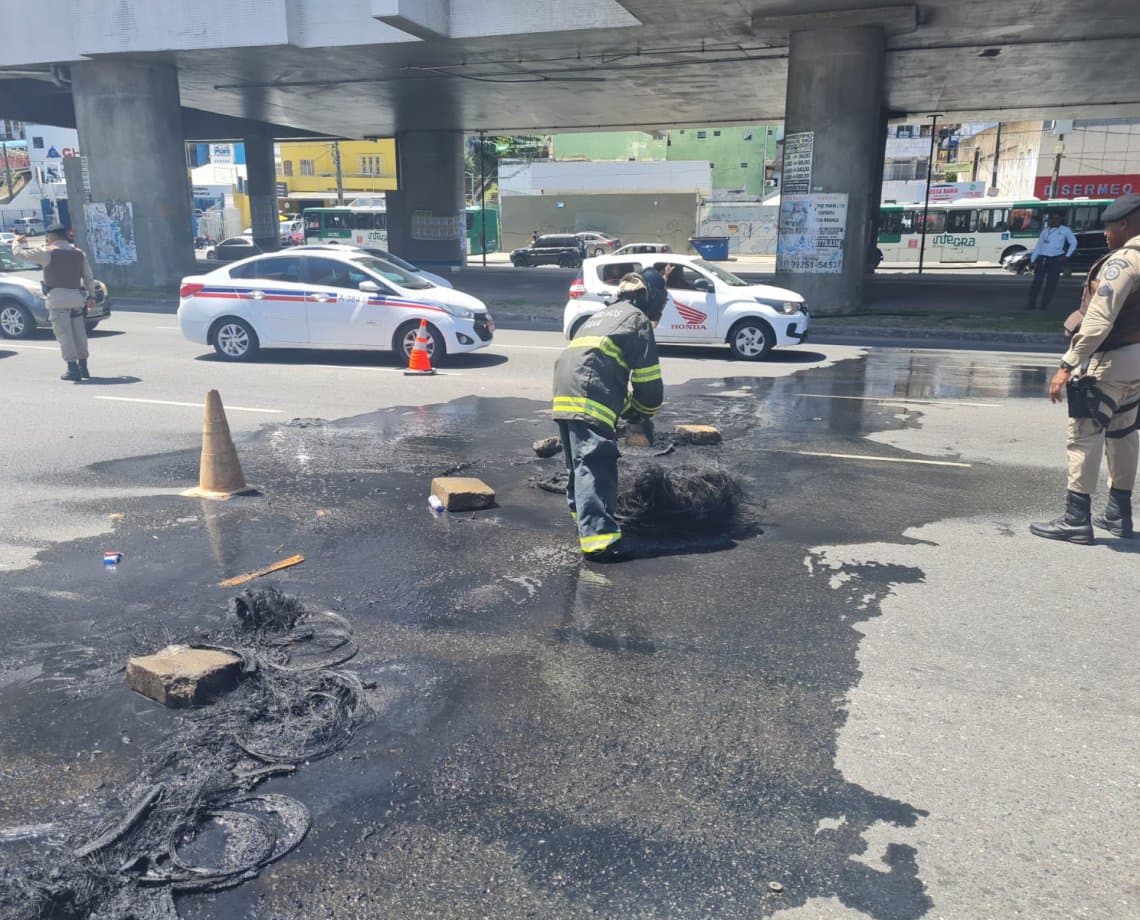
x=28, y=226
x=707, y=304
x=23, y=306
x=326, y=298
x=387, y=256
x=236, y=247
x=1091, y=245
x=634, y=248
x=563, y=249
x=7, y=239
x=597, y=244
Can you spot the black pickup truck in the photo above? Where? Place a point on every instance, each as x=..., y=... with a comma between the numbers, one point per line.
x=550, y=249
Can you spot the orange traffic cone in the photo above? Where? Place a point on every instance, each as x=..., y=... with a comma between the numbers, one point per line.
x=219, y=476
x=419, y=361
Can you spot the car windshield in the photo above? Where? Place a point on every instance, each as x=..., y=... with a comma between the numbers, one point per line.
x=719, y=273
x=392, y=272
x=9, y=263
x=393, y=258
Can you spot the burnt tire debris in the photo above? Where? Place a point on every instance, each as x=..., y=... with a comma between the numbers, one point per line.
x=160, y=837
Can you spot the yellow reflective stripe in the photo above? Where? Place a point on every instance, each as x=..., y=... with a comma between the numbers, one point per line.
x=598, y=542
x=646, y=374
x=604, y=344
x=644, y=410
x=573, y=515
x=586, y=407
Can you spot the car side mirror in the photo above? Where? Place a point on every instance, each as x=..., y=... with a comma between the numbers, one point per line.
x=701, y=284
x=369, y=287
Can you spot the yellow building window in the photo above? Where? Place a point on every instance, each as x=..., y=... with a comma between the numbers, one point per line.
x=307, y=168
x=372, y=165
x=288, y=166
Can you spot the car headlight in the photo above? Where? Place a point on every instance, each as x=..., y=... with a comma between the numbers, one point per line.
x=458, y=312
x=786, y=307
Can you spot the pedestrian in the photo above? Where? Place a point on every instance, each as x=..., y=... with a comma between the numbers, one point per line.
x=1100, y=376
x=70, y=288
x=610, y=370
x=1054, y=247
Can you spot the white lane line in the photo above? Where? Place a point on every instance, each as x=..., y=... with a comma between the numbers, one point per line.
x=370, y=370
x=531, y=347
x=814, y=453
x=903, y=401
x=188, y=405
x=9, y=343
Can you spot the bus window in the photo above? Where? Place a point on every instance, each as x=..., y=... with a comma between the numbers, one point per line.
x=1026, y=220
x=935, y=221
x=961, y=221
x=909, y=222
x=1086, y=217
x=993, y=220
x=890, y=223
x=380, y=220
x=337, y=220
x=362, y=220
x=312, y=223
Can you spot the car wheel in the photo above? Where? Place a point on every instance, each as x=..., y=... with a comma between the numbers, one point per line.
x=1011, y=251
x=599, y=251
x=91, y=324
x=751, y=339
x=577, y=326
x=878, y=257
x=15, y=321
x=234, y=339
x=405, y=340
x=211, y=253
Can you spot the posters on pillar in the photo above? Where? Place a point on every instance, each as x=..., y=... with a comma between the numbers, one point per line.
x=222, y=154
x=798, y=151
x=812, y=232
x=111, y=232
x=429, y=226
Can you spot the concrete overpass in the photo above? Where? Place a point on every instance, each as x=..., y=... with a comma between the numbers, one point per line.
x=138, y=77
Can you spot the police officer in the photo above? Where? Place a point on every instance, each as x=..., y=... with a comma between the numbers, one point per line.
x=70, y=287
x=1100, y=376
x=609, y=371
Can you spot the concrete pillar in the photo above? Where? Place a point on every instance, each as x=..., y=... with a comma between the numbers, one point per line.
x=138, y=213
x=261, y=186
x=835, y=91
x=426, y=222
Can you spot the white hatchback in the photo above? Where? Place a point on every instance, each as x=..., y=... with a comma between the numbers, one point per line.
x=326, y=299
x=707, y=305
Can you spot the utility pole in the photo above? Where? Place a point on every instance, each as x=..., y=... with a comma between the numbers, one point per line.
x=997, y=158
x=483, y=196
x=926, y=205
x=7, y=169
x=339, y=174
x=977, y=162
x=1060, y=149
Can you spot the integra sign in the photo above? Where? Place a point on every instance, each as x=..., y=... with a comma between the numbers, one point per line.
x=949, y=239
x=1088, y=186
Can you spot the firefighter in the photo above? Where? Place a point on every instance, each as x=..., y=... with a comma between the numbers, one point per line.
x=610, y=370
x=70, y=288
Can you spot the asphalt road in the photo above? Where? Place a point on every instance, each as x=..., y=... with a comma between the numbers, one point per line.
x=892, y=703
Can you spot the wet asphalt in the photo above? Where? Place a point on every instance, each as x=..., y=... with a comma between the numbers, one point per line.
x=550, y=739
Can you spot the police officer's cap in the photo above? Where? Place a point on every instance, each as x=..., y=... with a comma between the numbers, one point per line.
x=57, y=228
x=1123, y=207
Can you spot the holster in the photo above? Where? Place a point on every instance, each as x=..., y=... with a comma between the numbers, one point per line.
x=1085, y=400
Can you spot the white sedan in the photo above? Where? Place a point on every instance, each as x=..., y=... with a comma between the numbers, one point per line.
x=326, y=299
x=707, y=305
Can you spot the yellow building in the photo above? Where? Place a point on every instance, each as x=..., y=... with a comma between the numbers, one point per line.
x=307, y=169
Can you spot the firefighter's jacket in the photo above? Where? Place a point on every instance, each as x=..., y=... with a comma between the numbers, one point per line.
x=613, y=349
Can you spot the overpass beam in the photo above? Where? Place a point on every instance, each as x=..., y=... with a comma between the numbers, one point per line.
x=836, y=94
x=261, y=186
x=130, y=130
x=426, y=216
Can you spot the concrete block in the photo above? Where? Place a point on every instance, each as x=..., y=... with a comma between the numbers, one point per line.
x=180, y=676
x=547, y=447
x=462, y=493
x=697, y=434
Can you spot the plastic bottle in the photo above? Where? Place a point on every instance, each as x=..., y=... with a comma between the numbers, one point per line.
x=435, y=503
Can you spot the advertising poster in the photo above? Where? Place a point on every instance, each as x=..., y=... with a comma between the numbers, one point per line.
x=798, y=151
x=111, y=232
x=812, y=232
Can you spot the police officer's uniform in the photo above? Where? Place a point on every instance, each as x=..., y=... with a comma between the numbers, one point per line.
x=1104, y=398
x=610, y=370
x=68, y=282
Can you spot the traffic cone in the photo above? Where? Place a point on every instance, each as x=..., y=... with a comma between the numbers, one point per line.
x=219, y=476
x=419, y=361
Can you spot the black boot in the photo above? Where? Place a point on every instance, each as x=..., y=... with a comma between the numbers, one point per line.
x=83, y=372
x=72, y=372
x=1117, y=517
x=1075, y=526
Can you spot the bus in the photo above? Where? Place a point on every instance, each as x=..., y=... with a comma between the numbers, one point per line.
x=482, y=230
x=983, y=231
x=355, y=224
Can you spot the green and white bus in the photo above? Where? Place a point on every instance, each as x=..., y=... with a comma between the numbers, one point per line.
x=985, y=231
x=358, y=225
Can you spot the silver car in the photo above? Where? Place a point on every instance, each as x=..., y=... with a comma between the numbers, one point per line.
x=23, y=307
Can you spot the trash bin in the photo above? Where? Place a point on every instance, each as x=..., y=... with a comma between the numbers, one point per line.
x=713, y=248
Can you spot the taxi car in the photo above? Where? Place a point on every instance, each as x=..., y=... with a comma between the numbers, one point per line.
x=23, y=306
x=707, y=304
x=326, y=298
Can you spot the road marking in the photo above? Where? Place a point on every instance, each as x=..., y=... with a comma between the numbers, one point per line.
x=369, y=370
x=531, y=347
x=814, y=453
x=188, y=405
x=8, y=342
x=902, y=400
